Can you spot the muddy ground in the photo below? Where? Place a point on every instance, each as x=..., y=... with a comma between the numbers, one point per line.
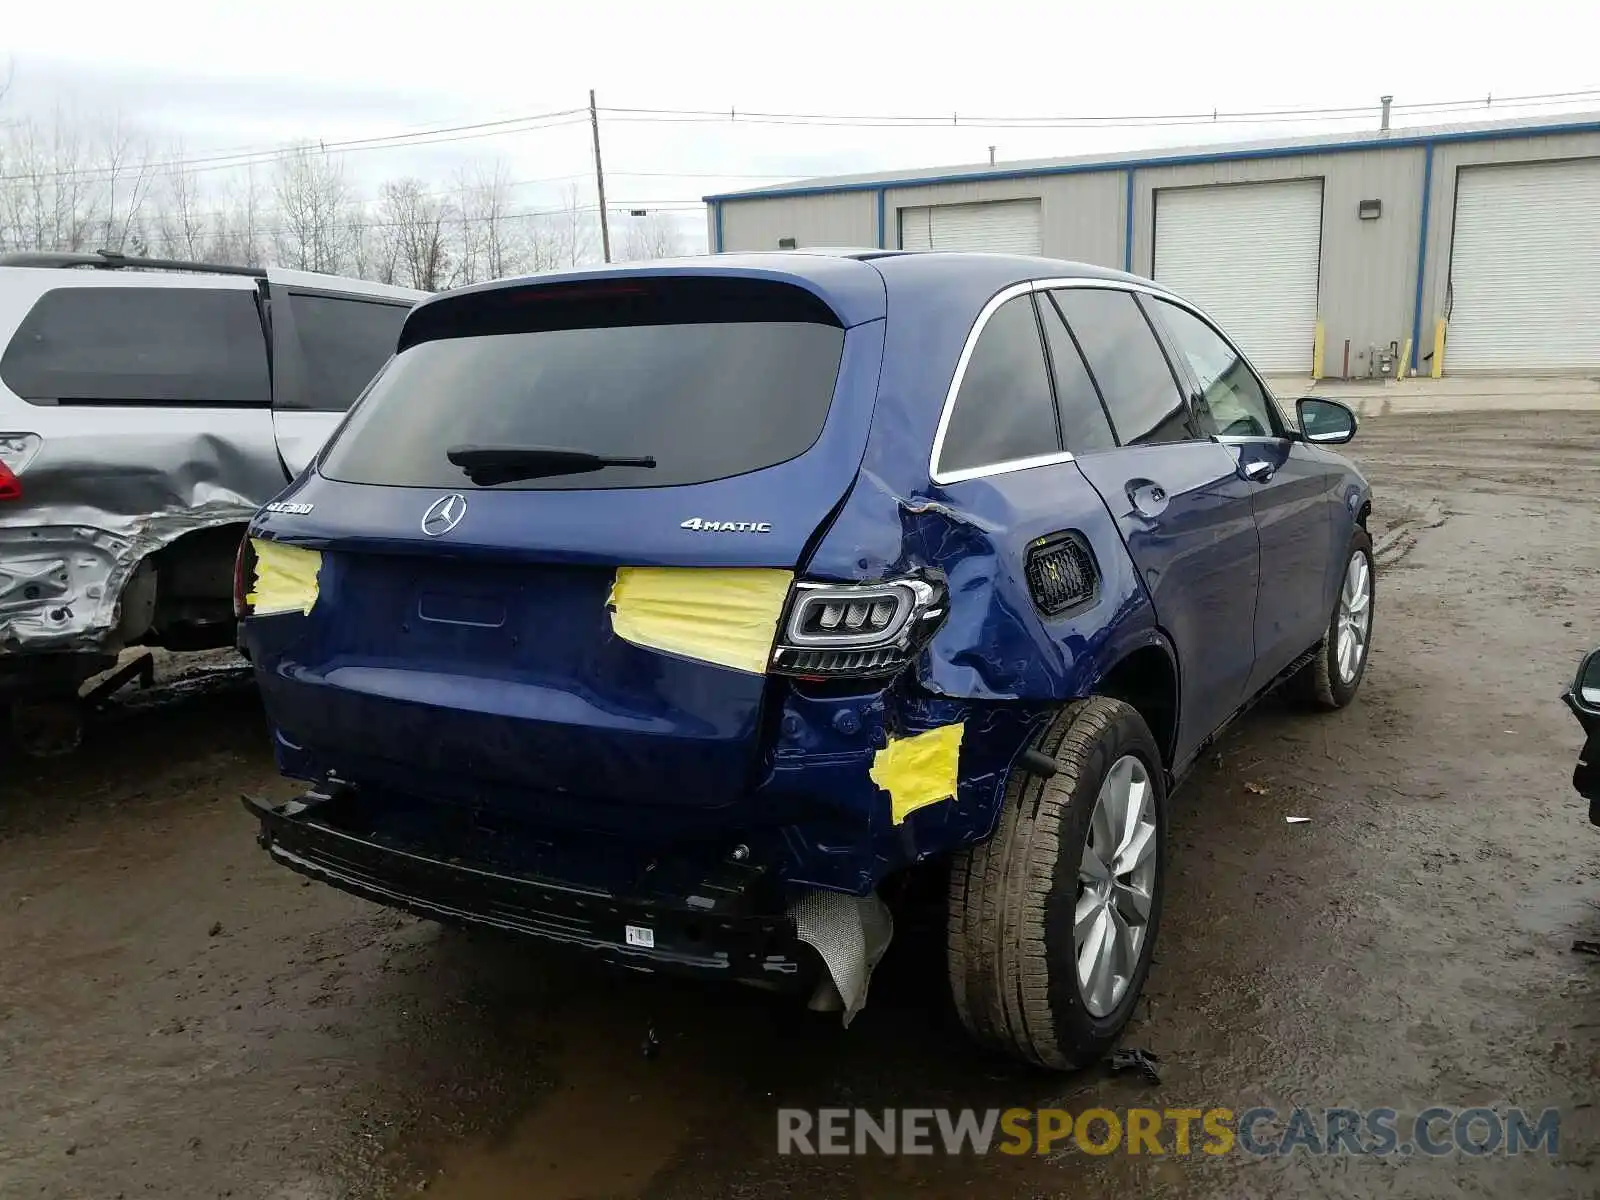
x=178, y=1017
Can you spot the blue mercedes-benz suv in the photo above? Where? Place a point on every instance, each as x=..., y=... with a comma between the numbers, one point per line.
x=679, y=611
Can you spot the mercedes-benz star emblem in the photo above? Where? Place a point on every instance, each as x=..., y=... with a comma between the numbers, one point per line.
x=444, y=514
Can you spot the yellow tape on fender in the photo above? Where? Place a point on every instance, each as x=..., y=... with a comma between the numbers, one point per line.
x=727, y=616
x=286, y=578
x=919, y=770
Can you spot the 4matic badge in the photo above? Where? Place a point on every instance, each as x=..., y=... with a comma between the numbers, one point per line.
x=703, y=526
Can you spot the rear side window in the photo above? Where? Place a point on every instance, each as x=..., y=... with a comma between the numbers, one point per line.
x=140, y=345
x=343, y=342
x=1003, y=411
x=709, y=382
x=1085, y=423
x=1128, y=364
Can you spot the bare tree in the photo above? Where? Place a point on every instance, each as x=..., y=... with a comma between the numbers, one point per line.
x=370, y=257
x=129, y=172
x=413, y=220
x=313, y=207
x=574, y=230
x=182, y=229
x=61, y=189
x=654, y=235
x=489, y=246
x=50, y=196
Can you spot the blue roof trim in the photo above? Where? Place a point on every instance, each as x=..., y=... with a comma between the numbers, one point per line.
x=1127, y=230
x=1415, y=141
x=1422, y=257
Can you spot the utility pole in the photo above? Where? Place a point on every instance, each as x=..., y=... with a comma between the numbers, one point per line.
x=599, y=179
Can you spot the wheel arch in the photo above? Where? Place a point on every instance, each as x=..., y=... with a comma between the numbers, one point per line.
x=1145, y=676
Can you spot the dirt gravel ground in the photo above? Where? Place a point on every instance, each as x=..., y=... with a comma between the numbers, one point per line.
x=178, y=1017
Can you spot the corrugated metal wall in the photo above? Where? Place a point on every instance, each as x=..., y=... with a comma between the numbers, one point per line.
x=1366, y=285
x=1368, y=288
x=1448, y=159
x=839, y=219
x=1080, y=219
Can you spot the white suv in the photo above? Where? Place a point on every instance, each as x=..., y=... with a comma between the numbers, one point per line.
x=147, y=409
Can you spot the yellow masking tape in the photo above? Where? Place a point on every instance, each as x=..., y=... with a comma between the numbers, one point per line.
x=726, y=616
x=286, y=578
x=919, y=770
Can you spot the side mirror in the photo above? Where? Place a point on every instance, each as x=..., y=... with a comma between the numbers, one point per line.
x=1586, y=685
x=1325, y=422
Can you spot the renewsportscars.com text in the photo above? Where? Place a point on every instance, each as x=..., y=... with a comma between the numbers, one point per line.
x=1260, y=1132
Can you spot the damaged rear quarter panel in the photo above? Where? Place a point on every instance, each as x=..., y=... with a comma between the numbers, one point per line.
x=97, y=503
x=996, y=665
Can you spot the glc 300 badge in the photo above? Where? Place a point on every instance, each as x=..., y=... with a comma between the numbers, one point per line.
x=701, y=525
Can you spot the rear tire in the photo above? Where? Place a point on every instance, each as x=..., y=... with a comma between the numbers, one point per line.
x=1019, y=901
x=1330, y=680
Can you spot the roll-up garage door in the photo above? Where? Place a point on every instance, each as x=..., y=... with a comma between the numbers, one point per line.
x=1525, y=268
x=999, y=226
x=1247, y=254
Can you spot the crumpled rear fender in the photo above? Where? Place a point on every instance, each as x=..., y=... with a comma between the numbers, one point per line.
x=996, y=645
x=997, y=666
x=94, y=507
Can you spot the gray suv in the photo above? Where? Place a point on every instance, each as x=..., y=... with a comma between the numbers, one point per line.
x=147, y=409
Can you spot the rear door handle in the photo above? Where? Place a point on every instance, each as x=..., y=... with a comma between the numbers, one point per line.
x=1259, y=470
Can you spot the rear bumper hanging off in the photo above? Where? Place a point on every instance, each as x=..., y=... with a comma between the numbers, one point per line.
x=705, y=928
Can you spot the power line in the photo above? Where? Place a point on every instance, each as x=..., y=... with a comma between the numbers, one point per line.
x=464, y=220
x=430, y=137
x=734, y=115
x=559, y=118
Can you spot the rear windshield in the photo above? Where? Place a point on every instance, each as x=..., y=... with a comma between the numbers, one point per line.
x=705, y=399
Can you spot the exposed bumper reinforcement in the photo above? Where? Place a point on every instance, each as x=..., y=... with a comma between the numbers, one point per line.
x=693, y=933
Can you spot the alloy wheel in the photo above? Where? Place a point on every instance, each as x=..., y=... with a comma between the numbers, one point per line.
x=1116, y=884
x=1354, y=623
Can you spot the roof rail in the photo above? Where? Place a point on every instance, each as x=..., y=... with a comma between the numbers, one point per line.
x=107, y=260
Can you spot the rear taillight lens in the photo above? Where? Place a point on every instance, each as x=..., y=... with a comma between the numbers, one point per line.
x=16, y=452
x=244, y=566
x=835, y=630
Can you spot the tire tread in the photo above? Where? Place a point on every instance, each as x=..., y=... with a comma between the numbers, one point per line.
x=1000, y=892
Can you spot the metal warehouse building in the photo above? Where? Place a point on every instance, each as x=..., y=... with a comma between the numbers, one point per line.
x=1476, y=246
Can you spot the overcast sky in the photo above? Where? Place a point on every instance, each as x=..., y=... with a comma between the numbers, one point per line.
x=257, y=75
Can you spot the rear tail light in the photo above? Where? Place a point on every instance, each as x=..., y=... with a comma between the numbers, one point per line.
x=244, y=566
x=16, y=452
x=834, y=630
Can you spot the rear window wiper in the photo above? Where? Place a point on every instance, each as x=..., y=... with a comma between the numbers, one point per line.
x=489, y=465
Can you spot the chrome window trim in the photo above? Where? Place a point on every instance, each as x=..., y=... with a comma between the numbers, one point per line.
x=1011, y=292
x=1001, y=468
